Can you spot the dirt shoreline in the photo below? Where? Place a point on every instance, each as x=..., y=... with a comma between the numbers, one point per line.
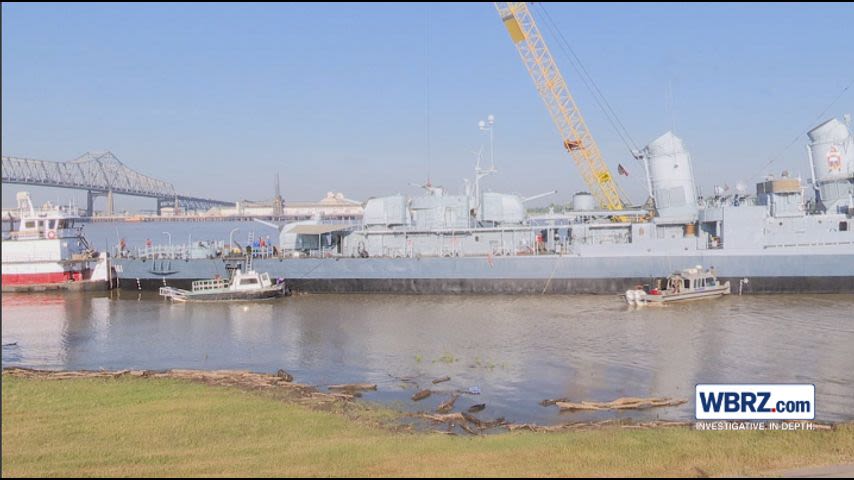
x=343, y=400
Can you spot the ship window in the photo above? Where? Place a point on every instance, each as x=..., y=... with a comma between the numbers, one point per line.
x=843, y=226
x=51, y=224
x=686, y=284
x=62, y=224
x=30, y=224
x=249, y=281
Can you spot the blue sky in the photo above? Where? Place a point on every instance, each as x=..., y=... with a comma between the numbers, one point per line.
x=343, y=97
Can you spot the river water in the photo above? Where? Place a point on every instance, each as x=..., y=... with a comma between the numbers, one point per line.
x=518, y=350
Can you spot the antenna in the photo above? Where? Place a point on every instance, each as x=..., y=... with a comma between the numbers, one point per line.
x=486, y=126
x=479, y=173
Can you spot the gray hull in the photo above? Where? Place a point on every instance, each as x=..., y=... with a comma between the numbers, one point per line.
x=815, y=272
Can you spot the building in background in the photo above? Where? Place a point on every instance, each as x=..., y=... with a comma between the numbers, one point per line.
x=332, y=206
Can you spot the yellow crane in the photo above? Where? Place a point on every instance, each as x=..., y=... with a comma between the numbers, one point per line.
x=565, y=114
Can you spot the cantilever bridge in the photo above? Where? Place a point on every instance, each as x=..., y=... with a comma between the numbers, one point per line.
x=100, y=174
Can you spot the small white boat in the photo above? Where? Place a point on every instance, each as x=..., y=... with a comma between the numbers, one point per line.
x=249, y=285
x=689, y=284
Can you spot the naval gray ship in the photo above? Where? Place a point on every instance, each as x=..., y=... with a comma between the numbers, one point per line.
x=790, y=235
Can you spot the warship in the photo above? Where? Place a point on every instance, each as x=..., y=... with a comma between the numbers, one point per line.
x=782, y=239
x=791, y=235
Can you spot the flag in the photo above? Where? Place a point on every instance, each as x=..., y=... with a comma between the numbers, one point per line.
x=621, y=170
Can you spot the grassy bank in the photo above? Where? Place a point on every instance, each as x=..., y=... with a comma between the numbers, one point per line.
x=147, y=427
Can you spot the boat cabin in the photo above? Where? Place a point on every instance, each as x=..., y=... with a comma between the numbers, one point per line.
x=49, y=224
x=692, y=279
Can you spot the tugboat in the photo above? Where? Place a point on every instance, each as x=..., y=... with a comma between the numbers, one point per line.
x=689, y=284
x=45, y=251
x=249, y=285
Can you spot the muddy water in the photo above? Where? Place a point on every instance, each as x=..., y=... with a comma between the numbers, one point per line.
x=516, y=350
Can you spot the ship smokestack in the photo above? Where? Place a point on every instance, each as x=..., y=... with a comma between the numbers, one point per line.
x=831, y=152
x=671, y=179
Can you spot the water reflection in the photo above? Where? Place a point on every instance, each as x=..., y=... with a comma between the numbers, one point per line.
x=517, y=349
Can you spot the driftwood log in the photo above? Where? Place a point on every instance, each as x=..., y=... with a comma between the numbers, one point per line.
x=471, y=418
x=625, y=403
x=476, y=408
x=421, y=395
x=597, y=425
x=441, y=379
x=444, y=417
x=353, y=387
x=448, y=404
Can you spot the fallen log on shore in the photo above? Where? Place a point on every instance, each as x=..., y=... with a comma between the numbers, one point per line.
x=625, y=403
x=444, y=417
x=353, y=387
x=471, y=418
x=598, y=425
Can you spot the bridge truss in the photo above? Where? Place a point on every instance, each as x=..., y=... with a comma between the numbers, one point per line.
x=100, y=174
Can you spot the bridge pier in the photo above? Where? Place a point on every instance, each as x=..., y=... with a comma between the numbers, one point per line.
x=91, y=195
x=110, y=205
x=90, y=203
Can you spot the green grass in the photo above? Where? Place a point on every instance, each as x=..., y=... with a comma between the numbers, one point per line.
x=145, y=427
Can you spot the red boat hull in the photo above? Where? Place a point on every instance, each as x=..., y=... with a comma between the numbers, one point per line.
x=41, y=278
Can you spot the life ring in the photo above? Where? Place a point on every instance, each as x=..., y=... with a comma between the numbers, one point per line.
x=51, y=234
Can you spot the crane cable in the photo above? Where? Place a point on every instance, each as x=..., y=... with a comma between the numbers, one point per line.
x=598, y=96
x=603, y=103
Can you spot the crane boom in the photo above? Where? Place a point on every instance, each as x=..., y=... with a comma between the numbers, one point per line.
x=565, y=114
